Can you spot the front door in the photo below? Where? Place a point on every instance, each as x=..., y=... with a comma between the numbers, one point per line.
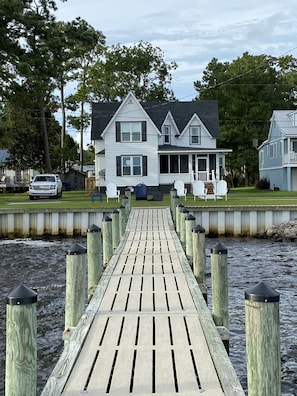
x=202, y=167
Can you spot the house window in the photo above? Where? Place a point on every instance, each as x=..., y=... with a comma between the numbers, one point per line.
x=166, y=134
x=294, y=145
x=261, y=157
x=128, y=132
x=272, y=150
x=174, y=164
x=195, y=134
x=131, y=165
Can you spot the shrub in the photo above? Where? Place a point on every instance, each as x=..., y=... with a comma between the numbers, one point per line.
x=263, y=184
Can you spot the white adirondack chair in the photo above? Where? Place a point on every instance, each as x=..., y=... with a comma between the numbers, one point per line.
x=199, y=190
x=181, y=191
x=112, y=191
x=221, y=189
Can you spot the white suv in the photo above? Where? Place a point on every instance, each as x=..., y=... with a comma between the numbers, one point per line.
x=45, y=185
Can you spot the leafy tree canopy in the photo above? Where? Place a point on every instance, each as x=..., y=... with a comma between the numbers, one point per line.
x=247, y=89
x=140, y=68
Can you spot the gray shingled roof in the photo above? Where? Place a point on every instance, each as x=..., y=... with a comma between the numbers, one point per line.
x=182, y=112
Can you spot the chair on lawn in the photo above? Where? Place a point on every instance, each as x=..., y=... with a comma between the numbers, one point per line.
x=181, y=191
x=199, y=190
x=221, y=189
x=112, y=191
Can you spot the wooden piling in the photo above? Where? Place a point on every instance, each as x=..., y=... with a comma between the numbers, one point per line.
x=173, y=194
x=107, y=239
x=21, y=342
x=177, y=216
x=122, y=219
x=182, y=227
x=126, y=204
x=76, y=269
x=115, y=228
x=219, y=277
x=94, y=250
x=263, y=341
x=199, y=258
x=189, y=225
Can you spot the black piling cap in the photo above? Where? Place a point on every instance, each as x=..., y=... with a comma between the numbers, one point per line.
x=261, y=293
x=21, y=295
x=121, y=207
x=125, y=197
x=219, y=249
x=115, y=211
x=107, y=218
x=94, y=228
x=180, y=205
x=198, y=229
x=184, y=210
x=76, y=249
x=190, y=217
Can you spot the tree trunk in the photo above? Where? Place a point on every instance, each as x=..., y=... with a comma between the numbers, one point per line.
x=81, y=153
x=63, y=127
x=47, y=159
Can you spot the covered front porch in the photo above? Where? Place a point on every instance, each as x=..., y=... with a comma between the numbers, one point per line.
x=176, y=163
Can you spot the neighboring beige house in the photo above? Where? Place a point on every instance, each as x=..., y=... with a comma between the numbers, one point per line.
x=156, y=143
x=13, y=180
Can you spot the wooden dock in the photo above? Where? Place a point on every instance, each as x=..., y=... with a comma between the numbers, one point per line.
x=147, y=329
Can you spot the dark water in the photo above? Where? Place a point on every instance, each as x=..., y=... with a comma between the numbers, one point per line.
x=41, y=266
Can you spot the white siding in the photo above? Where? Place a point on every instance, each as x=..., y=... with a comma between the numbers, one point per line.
x=131, y=112
x=207, y=142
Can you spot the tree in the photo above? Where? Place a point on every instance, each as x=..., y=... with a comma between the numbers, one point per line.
x=247, y=90
x=140, y=68
x=72, y=43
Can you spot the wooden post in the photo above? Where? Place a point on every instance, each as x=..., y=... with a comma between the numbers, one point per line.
x=219, y=277
x=175, y=202
x=128, y=194
x=125, y=202
x=76, y=269
x=199, y=258
x=189, y=224
x=95, y=266
x=177, y=211
x=21, y=342
x=122, y=219
x=182, y=227
x=107, y=239
x=172, y=200
x=263, y=341
x=115, y=228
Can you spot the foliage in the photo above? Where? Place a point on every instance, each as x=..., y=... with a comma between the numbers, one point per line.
x=140, y=68
x=263, y=184
x=247, y=89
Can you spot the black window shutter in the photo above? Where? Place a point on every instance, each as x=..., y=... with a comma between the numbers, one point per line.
x=119, y=168
x=143, y=131
x=118, y=131
x=144, y=165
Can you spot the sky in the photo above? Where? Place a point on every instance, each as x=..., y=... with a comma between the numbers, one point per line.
x=192, y=32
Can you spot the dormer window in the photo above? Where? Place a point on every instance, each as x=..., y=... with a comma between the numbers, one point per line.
x=195, y=134
x=166, y=134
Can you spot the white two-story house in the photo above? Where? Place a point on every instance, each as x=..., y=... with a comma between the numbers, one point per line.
x=156, y=143
x=278, y=154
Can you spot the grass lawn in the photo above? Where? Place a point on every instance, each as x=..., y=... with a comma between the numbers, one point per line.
x=81, y=200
